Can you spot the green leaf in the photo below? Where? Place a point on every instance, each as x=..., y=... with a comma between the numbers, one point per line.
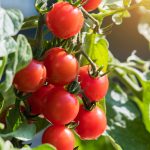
x=25, y=132
x=125, y=122
x=42, y=6
x=96, y=47
x=10, y=72
x=7, y=46
x=9, y=98
x=105, y=142
x=24, y=52
x=40, y=123
x=1, y=102
x=3, y=62
x=18, y=59
x=45, y=147
x=10, y=22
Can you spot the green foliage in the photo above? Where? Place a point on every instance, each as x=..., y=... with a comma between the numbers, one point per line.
x=125, y=122
x=11, y=22
x=96, y=47
x=8, y=146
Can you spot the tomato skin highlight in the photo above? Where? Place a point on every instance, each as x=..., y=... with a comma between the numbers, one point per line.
x=61, y=107
x=91, y=4
x=60, y=137
x=30, y=78
x=62, y=68
x=94, y=88
x=37, y=99
x=91, y=123
x=64, y=20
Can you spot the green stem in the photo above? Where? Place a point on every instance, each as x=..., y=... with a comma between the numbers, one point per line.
x=112, y=12
x=30, y=25
x=96, y=29
x=128, y=82
x=93, y=65
x=39, y=37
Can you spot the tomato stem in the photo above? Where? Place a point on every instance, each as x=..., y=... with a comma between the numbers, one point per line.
x=39, y=37
x=95, y=21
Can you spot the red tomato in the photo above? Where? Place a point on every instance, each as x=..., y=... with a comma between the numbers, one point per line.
x=64, y=20
x=31, y=77
x=60, y=137
x=94, y=88
x=38, y=98
x=62, y=68
x=91, y=4
x=61, y=107
x=91, y=123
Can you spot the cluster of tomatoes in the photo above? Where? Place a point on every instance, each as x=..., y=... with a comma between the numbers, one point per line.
x=48, y=81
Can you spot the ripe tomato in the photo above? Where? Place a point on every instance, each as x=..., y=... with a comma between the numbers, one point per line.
x=31, y=77
x=61, y=107
x=91, y=123
x=94, y=88
x=62, y=68
x=38, y=98
x=64, y=20
x=91, y=4
x=60, y=137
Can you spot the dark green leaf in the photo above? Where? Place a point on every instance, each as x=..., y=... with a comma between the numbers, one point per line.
x=125, y=122
x=10, y=22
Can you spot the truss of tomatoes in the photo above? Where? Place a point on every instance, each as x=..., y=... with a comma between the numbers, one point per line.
x=47, y=81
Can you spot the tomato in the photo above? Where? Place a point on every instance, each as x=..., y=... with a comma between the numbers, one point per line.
x=62, y=68
x=94, y=88
x=61, y=107
x=91, y=4
x=60, y=137
x=91, y=123
x=31, y=77
x=64, y=20
x=38, y=98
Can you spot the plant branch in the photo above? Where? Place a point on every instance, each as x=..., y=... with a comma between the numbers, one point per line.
x=95, y=21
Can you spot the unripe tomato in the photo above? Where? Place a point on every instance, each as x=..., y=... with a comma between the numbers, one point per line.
x=62, y=68
x=38, y=98
x=95, y=88
x=91, y=123
x=60, y=137
x=61, y=107
x=91, y=4
x=31, y=77
x=64, y=20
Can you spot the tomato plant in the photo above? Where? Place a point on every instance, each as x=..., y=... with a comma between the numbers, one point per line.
x=30, y=78
x=62, y=68
x=91, y=5
x=95, y=88
x=66, y=81
x=60, y=137
x=61, y=107
x=64, y=20
x=37, y=99
x=94, y=121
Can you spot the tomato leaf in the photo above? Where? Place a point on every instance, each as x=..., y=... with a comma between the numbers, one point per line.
x=24, y=52
x=11, y=21
x=105, y=142
x=124, y=121
x=44, y=147
x=96, y=47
